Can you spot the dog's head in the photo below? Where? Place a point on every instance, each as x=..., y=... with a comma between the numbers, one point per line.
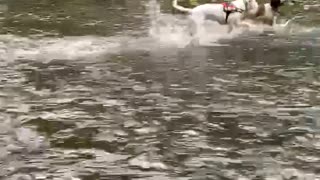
x=275, y=4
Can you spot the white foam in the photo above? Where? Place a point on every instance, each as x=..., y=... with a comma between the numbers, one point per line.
x=68, y=48
x=15, y=47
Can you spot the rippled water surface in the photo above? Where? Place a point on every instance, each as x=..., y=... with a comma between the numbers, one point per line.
x=111, y=89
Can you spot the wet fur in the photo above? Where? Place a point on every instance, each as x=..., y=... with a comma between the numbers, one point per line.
x=265, y=13
x=199, y=13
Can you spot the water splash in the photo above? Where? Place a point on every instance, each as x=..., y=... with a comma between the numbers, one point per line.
x=282, y=27
x=18, y=138
x=173, y=29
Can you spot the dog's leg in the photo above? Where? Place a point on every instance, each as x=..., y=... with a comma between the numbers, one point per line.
x=195, y=37
x=230, y=28
x=234, y=21
x=192, y=30
x=192, y=27
x=197, y=22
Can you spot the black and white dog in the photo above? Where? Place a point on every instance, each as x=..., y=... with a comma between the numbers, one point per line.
x=264, y=14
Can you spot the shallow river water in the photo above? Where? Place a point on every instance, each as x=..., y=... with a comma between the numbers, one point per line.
x=110, y=89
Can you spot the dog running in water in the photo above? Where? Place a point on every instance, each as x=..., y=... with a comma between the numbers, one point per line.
x=223, y=13
x=265, y=13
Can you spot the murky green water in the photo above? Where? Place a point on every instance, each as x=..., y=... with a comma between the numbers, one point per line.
x=109, y=89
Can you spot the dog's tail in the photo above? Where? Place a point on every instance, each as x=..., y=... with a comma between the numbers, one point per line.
x=180, y=8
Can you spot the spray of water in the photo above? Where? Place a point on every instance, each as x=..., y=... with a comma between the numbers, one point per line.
x=172, y=29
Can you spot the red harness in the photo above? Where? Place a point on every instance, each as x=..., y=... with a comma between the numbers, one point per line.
x=229, y=8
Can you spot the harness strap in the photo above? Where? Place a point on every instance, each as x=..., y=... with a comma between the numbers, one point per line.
x=227, y=16
x=230, y=8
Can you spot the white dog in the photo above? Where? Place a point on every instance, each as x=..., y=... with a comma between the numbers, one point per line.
x=224, y=13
